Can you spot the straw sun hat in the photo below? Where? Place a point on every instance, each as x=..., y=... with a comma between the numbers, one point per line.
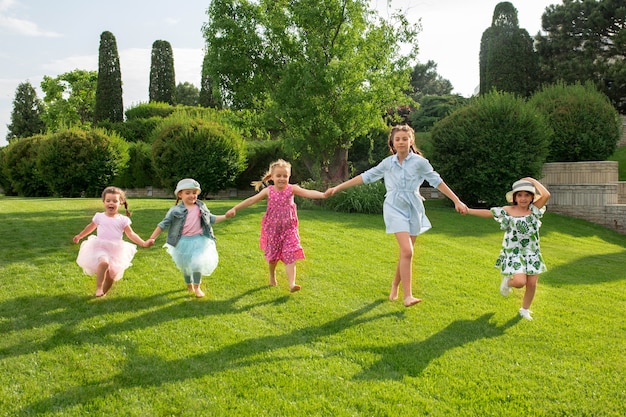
x=522, y=185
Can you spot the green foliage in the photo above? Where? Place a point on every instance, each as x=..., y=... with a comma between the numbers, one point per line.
x=432, y=109
x=483, y=147
x=507, y=59
x=187, y=94
x=162, y=79
x=368, y=150
x=366, y=198
x=109, y=103
x=148, y=110
x=5, y=184
x=20, y=167
x=586, y=126
x=326, y=78
x=425, y=81
x=586, y=41
x=81, y=161
x=209, y=151
x=206, y=97
x=260, y=154
x=69, y=99
x=133, y=130
x=26, y=115
x=139, y=172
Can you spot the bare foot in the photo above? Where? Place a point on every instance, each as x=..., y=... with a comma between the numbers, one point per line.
x=393, y=295
x=199, y=292
x=295, y=288
x=411, y=301
x=100, y=294
x=273, y=282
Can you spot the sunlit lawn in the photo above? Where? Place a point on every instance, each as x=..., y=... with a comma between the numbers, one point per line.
x=336, y=348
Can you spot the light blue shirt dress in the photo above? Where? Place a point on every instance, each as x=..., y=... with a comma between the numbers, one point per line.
x=403, y=209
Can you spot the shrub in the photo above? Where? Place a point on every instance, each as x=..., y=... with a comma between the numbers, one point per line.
x=368, y=150
x=139, y=172
x=20, y=167
x=76, y=162
x=260, y=154
x=585, y=124
x=5, y=184
x=366, y=198
x=148, y=110
x=432, y=109
x=133, y=130
x=208, y=151
x=482, y=148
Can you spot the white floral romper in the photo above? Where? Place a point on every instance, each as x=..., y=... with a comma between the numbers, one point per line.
x=520, y=253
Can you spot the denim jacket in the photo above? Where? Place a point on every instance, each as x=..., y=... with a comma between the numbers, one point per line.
x=175, y=219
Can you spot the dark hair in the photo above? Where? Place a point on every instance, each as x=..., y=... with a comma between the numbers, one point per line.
x=402, y=128
x=121, y=193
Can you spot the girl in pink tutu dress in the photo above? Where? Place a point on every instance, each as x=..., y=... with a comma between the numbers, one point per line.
x=280, y=239
x=107, y=255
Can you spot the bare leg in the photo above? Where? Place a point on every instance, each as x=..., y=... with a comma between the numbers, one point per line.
x=272, y=267
x=101, y=273
x=108, y=282
x=291, y=277
x=405, y=267
x=529, y=294
x=198, y=290
x=393, y=295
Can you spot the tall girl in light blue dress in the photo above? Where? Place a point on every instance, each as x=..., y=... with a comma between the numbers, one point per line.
x=403, y=209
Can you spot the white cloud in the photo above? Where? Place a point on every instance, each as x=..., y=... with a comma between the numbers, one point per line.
x=21, y=26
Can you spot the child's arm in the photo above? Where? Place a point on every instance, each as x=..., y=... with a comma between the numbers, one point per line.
x=459, y=206
x=480, y=213
x=220, y=218
x=155, y=234
x=87, y=230
x=248, y=202
x=130, y=233
x=358, y=180
x=303, y=192
x=543, y=191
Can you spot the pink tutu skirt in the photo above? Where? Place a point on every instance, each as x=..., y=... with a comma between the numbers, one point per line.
x=118, y=253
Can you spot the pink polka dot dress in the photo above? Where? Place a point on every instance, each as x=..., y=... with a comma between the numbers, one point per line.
x=280, y=239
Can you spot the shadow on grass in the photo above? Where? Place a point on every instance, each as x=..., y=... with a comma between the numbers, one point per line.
x=142, y=370
x=411, y=359
x=70, y=312
x=589, y=270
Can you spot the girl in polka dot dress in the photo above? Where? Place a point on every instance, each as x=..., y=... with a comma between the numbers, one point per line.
x=280, y=239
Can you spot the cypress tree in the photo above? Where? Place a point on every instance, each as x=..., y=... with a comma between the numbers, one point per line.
x=508, y=61
x=109, y=103
x=26, y=115
x=162, y=79
x=206, y=98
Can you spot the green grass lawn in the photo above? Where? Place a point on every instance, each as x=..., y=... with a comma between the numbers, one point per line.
x=336, y=348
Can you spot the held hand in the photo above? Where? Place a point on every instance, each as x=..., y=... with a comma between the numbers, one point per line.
x=76, y=239
x=461, y=208
x=231, y=213
x=329, y=192
x=148, y=243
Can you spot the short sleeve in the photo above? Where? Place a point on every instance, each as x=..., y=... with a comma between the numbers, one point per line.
x=538, y=212
x=501, y=216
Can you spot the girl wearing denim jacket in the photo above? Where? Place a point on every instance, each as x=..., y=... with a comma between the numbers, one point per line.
x=190, y=240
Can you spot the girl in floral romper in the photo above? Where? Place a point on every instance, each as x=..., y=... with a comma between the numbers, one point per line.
x=520, y=260
x=280, y=239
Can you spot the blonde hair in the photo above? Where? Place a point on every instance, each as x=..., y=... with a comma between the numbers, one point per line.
x=280, y=163
x=121, y=193
x=402, y=128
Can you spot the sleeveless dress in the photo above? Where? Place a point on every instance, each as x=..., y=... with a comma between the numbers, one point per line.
x=280, y=239
x=520, y=253
x=107, y=245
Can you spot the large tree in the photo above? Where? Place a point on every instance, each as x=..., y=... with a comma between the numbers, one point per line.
x=109, y=104
x=586, y=40
x=26, y=115
x=162, y=78
x=206, y=96
x=187, y=94
x=326, y=71
x=507, y=60
x=69, y=99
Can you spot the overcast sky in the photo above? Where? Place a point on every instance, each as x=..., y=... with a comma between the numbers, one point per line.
x=46, y=37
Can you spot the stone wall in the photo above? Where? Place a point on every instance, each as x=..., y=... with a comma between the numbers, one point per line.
x=587, y=190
